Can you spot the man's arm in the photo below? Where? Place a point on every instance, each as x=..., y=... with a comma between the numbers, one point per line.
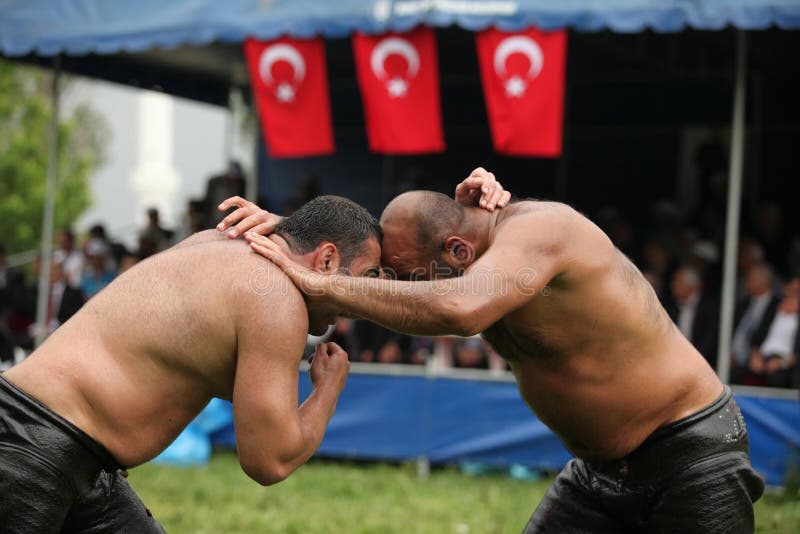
x=526, y=254
x=273, y=436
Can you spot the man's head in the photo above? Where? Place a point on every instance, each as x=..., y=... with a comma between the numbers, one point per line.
x=759, y=280
x=66, y=239
x=686, y=283
x=426, y=235
x=332, y=233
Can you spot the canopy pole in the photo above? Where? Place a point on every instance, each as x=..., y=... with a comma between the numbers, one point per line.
x=43, y=300
x=734, y=208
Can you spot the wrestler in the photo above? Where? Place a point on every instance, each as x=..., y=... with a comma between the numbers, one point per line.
x=118, y=382
x=659, y=443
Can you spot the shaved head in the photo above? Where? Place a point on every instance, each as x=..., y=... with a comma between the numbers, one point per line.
x=415, y=226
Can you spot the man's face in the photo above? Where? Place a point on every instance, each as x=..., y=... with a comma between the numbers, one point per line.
x=366, y=264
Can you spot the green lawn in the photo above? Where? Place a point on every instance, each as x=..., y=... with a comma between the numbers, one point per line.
x=329, y=497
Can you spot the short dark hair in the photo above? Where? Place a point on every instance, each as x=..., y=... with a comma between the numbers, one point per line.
x=330, y=218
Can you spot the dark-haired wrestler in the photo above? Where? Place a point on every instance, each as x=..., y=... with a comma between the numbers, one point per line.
x=119, y=381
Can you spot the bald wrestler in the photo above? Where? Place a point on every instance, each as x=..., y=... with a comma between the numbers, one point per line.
x=659, y=443
x=119, y=381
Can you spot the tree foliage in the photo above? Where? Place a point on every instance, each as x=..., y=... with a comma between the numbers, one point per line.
x=25, y=115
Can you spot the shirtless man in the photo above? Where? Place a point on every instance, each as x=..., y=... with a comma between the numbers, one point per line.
x=660, y=445
x=119, y=381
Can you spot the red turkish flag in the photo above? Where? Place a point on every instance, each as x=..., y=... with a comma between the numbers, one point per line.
x=398, y=75
x=290, y=86
x=523, y=82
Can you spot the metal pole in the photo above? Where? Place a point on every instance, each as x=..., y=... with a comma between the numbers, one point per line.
x=734, y=207
x=47, y=218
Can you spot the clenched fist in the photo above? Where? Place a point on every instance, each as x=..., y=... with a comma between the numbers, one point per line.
x=329, y=367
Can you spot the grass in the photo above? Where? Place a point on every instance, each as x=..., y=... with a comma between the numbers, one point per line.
x=334, y=497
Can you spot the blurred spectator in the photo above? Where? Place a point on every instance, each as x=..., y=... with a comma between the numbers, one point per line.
x=344, y=335
x=307, y=189
x=617, y=228
x=771, y=234
x=193, y=220
x=390, y=352
x=127, y=261
x=760, y=301
x=695, y=315
x=377, y=344
x=229, y=184
x=64, y=300
x=749, y=254
x=469, y=354
x=776, y=343
x=97, y=274
x=655, y=266
x=704, y=258
x=69, y=257
x=421, y=349
x=153, y=238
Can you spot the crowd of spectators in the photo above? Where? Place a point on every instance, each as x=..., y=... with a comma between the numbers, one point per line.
x=682, y=261
x=680, y=258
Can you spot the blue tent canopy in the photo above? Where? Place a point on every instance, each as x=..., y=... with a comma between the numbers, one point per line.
x=77, y=27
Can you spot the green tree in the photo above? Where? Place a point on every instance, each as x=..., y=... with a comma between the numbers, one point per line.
x=25, y=114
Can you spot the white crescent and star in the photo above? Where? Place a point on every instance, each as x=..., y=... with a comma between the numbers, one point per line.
x=522, y=44
x=285, y=91
x=396, y=86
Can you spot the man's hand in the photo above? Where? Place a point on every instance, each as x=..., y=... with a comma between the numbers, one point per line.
x=482, y=189
x=329, y=367
x=306, y=280
x=247, y=218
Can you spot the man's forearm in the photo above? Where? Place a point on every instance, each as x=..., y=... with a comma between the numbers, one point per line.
x=315, y=414
x=417, y=308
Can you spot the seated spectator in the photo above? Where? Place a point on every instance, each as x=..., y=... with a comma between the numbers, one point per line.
x=69, y=257
x=695, y=315
x=97, y=274
x=776, y=343
x=760, y=300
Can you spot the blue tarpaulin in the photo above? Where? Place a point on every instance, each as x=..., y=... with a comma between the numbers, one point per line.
x=76, y=27
x=383, y=417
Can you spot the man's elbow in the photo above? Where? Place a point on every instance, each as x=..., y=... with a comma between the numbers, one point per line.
x=464, y=320
x=266, y=474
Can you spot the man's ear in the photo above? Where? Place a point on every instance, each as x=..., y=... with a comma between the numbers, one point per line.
x=326, y=259
x=459, y=252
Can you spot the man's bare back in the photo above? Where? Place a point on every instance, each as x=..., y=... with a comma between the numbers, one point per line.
x=595, y=355
x=144, y=356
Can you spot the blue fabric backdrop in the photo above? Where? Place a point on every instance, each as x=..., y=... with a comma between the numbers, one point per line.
x=77, y=27
x=450, y=420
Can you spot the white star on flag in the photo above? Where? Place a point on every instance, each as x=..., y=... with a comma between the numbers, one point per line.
x=284, y=92
x=397, y=87
x=515, y=87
